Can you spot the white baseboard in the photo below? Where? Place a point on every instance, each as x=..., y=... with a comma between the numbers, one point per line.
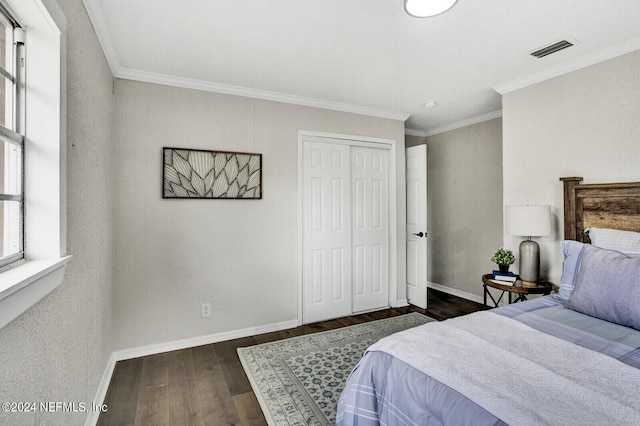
x=202, y=340
x=123, y=354
x=92, y=418
x=401, y=303
x=455, y=292
x=140, y=351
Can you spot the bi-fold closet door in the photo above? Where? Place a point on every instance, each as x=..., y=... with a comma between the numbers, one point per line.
x=345, y=228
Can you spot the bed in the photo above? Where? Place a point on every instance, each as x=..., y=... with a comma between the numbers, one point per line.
x=571, y=358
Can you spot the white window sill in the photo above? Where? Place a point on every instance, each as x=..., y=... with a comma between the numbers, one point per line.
x=24, y=285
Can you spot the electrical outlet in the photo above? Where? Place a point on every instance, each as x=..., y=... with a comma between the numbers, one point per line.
x=205, y=310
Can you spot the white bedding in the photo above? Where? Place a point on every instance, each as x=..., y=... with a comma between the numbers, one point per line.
x=502, y=364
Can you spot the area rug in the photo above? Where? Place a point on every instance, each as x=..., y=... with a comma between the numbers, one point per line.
x=298, y=381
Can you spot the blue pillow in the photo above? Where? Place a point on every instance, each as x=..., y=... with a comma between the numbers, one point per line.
x=572, y=251
x=608, y=287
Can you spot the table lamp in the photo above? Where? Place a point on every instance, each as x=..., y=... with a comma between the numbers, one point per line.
x=529, y=221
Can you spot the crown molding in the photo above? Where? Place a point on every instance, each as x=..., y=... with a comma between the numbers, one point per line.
x=96, y=15
x=574, y=65
x=414, y=132
x=208, y=86
x=453, y=126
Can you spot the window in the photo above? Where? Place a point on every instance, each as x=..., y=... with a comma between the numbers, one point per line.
x=11, y=140
x=42, y=97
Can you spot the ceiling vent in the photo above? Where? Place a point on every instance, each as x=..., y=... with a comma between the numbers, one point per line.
x=552, y=48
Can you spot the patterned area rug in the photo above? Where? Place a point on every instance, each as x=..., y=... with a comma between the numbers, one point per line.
x=298, y=381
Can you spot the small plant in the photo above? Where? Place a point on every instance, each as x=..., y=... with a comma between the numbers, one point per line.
x=503, y=257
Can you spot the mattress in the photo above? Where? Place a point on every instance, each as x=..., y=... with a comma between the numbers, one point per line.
x=387, y=388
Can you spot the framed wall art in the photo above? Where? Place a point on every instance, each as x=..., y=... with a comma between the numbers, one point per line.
x=195, y=173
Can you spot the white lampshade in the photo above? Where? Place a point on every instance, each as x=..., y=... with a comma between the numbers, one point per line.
x=529, y=221
x=427, y=8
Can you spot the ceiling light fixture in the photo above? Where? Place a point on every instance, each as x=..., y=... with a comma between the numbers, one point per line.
x=429, y=104
x=427, y=8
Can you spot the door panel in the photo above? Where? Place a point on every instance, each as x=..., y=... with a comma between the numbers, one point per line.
x=326, y=232
x=370, y=177
x=417, y=225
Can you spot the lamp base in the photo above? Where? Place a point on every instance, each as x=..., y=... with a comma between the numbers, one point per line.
x=529, y=261
x=529, y=284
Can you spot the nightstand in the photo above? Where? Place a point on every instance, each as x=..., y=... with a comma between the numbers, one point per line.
x=543, y=287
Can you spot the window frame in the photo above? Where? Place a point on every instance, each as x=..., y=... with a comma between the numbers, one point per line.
x=24, y=283
x=17, y=140
x=13, y=132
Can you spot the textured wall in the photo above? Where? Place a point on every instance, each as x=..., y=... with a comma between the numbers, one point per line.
x=58, y=350
x=580, y=124
x=238, y=255
x=464, y=184
x=413, y=140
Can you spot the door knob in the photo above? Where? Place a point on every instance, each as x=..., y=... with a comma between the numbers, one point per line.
x=420, y=234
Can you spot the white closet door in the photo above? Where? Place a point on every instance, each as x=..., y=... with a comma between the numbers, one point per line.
x=370, y=192
x=326, y=217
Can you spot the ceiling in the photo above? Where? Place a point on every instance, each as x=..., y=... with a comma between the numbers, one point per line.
x=363, y=56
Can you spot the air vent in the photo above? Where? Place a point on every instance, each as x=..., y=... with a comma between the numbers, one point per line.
x=552, y=48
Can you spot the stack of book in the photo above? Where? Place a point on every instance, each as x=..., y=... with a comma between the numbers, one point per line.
x=506, y=278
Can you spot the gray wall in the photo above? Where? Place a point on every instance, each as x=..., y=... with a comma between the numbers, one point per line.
x=580, y=124
x=464, y=196
x=414, y=140
x=584, y=123
x=465, y=205
x=58, y=350
x=241, y=256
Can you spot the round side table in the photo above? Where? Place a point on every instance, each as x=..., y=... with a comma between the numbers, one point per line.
x=520, y=292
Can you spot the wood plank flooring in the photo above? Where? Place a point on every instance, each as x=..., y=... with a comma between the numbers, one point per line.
x=206, y=385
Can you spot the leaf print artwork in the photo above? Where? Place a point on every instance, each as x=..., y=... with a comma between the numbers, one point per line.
x=192, y=173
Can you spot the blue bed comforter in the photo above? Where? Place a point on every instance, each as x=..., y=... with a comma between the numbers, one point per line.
x=385, y=390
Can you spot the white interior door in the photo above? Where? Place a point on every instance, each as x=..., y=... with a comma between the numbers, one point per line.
x=370, y=192
x=326, y=218
x=417, y=225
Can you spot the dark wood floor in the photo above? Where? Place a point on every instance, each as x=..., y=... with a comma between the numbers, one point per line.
x=206, y=385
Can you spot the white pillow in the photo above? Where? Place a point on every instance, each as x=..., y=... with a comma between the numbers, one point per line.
x=612, y=239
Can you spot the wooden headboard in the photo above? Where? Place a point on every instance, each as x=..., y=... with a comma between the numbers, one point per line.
x=606, y=205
